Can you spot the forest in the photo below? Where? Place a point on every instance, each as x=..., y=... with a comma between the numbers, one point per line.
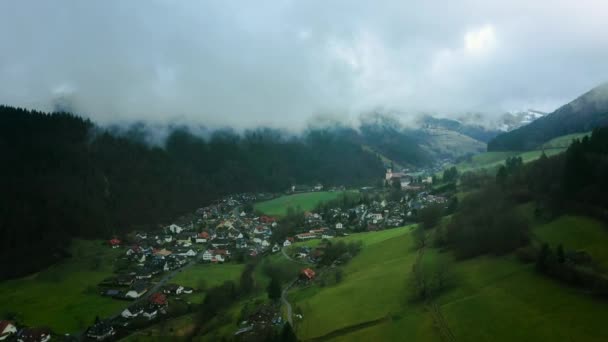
x=64, y=177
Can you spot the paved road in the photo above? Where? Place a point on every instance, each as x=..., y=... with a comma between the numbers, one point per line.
x=162, y=282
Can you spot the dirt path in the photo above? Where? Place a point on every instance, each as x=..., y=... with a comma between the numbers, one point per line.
x=286, y=302
x=292, y=259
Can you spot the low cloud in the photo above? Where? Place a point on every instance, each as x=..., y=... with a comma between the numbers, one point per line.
x=290, y=64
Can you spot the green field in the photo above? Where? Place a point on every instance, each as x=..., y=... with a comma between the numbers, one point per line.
x=64, y=297
x=303, y=202
x=373, y=288
x=577, y=233
x=492, y=160
x=490, y=299
x=564, y=141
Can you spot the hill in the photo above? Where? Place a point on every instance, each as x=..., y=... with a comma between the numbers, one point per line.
x=484, y=290
x=581, y=115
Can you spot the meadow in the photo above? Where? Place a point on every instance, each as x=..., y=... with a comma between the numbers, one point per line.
x=64, y=297
x=302, y=202
x=488, y=298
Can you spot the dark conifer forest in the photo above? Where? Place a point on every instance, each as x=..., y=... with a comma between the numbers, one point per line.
x=63, y=177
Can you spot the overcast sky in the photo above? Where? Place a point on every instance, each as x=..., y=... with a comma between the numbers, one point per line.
x=280, y=63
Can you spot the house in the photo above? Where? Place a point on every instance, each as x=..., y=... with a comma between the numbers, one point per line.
x=286, y=243
x=307, y=274
x=189, y=252
x=202, y=237
x=208, y=255
x=137, y=290
x=133, y=311
x=150, y=312
x=328, y=235
x=125, y=280
x=162, y=252
x=339, y=225
x=241, y=243
x=34, y=335
x=184, y=238
x=158, y=299
x=267, y=219
x=7, y=328
x=175, y=229
x=173, y=289
x=100, y=331
x=275, y=248
x=318, y=187
x=306, y=236
x=114, y=243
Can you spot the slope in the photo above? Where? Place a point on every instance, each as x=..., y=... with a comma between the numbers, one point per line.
x=581, y=115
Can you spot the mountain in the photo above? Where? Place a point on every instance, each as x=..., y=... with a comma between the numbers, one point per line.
x=513, y=120
x=472, y=130
x=585, y=113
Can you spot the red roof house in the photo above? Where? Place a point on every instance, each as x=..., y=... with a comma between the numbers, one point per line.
x=114, y=242
x=267, y=219
x=307, y=274
x=158, y=299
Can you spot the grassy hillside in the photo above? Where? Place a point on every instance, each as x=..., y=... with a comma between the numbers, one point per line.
x=374, y=288
x=446, y=143
x=577, y=233
x=64, y=297
x=491, y=160
x=491, y=298
x=564, y=141
x=303, y=202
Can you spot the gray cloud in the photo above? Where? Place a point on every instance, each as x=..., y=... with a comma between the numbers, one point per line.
x=284, y=63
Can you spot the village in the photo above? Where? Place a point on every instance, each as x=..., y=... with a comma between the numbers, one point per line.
x=230, y=230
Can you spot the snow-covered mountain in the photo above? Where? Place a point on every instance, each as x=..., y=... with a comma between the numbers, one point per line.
x=513, y=120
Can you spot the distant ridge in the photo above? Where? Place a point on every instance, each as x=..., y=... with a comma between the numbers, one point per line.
x=585, y=113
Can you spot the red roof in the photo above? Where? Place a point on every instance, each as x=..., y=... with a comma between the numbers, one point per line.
x=308, y=273
x=203, y=235
x=220, y=252
x=158, y=299
x=267, y=219
x=114, y=242
x=4, y=324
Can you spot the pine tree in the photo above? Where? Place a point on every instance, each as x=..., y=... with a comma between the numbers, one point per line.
x=561, y=258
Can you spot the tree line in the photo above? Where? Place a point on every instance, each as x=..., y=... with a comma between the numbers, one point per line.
x=65, y=177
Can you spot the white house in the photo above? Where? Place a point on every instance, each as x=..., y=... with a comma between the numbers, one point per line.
x=275, y=248
x=175, y=229
x=207, y=256
x=132, y=312
x=150, y=313
x=189, y=253
x=137, y=291
x=265, y=243
x=339, y=225
x=7, y=328
x=287, y=243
